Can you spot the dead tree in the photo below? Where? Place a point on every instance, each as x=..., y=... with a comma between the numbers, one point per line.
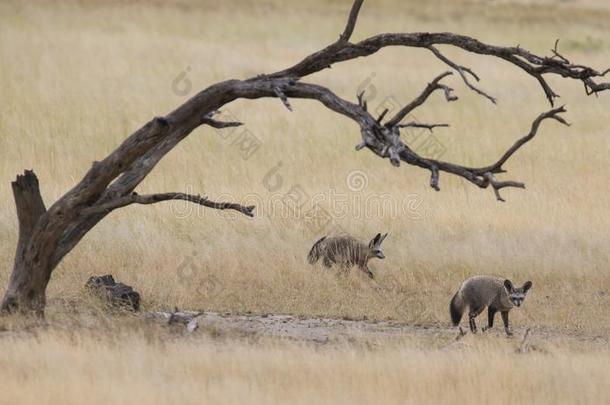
x=47, y=235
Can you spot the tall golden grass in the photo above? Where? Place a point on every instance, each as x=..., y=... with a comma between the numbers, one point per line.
x=78, y=77
x=127, y=368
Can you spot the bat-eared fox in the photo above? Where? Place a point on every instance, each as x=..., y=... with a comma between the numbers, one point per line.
x=346, y=251
x=495, y=293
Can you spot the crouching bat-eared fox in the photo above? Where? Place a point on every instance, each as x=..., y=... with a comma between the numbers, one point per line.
x=347, y=251
x=495, y=293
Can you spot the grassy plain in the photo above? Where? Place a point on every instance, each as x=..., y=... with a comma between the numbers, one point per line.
x=76, y=78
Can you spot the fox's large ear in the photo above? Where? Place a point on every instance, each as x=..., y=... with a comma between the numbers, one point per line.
x=508, y=285
x=382, y=238
x=375, y=240
x=527, y=286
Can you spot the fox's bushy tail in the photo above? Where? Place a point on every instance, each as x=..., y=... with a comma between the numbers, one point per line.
x=315, y=252
x=456, y=308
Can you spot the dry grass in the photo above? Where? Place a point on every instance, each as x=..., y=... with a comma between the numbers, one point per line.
x=146, y=366
x=77, y=78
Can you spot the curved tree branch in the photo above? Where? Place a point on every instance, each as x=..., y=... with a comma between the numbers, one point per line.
x=136, y=198
x=535, y=65
x=384, y=139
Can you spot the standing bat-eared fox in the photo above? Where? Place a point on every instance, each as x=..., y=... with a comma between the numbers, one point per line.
x=495, y=293
x=346, y=251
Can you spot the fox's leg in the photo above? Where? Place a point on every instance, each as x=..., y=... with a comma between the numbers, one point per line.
x=367, y=271
x=505, y=320
x=491, y=313
x=473, y=313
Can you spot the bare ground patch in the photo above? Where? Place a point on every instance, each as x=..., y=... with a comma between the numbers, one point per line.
x=329, y=330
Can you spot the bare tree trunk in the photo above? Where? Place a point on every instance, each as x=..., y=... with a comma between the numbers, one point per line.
x=46, y=236
x=28, y=282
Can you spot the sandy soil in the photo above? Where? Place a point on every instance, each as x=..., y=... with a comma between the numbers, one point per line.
x=327, y=330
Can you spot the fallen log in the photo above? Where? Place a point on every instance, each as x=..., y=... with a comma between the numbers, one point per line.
x=115, y=294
